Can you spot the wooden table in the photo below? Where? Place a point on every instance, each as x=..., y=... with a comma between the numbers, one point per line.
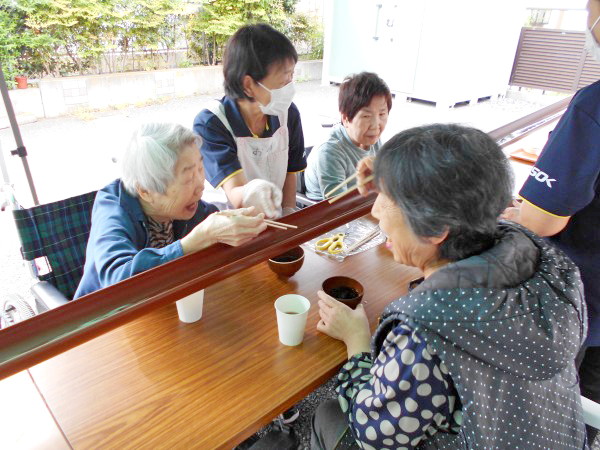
x=159, y=383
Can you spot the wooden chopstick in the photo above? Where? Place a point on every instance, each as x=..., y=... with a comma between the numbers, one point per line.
x=343, y=194
x=363, y=240
x=275, y=226
x=343, y=183
x=283, y=226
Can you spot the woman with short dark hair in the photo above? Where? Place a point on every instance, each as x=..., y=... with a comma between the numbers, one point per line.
x=253, y=143
x=364, y=103
x=481, y=353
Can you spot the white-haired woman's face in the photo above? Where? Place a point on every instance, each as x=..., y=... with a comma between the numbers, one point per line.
x=180, y=201
x=366, y=126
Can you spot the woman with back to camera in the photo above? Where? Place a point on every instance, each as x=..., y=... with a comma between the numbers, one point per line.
x=479, y=355
x=252, y=140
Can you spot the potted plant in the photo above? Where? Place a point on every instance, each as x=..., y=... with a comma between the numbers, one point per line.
x=24, y=68
x=21, y=81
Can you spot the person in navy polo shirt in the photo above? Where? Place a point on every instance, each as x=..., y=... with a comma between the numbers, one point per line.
x=252, y=140
x=561, y=199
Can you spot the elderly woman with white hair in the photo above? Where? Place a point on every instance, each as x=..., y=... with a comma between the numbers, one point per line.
x=154, y=213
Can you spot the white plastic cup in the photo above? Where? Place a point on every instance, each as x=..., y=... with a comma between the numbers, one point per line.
x=292, y=311
x=190, y=308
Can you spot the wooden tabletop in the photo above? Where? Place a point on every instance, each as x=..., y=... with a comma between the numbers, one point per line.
x=160, y=383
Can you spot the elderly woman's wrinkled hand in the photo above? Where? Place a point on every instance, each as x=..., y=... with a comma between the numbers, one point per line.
x=364, y=169
x=343, y=323
x=232, y=227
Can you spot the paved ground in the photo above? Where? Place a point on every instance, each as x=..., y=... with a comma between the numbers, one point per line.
x=74, y=154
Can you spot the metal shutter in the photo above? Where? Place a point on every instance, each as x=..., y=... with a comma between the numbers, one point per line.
x=553, y=60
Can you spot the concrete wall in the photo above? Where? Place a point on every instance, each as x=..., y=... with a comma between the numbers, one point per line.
x=27, y=104
x=60, y=96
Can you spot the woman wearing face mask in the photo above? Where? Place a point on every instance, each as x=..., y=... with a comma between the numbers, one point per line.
x=561, y=200
x=252, y=138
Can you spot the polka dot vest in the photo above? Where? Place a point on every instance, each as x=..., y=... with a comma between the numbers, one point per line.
x=507, y=324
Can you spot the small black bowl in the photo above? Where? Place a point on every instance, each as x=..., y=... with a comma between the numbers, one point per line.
x=288, y=263
x=344, y=289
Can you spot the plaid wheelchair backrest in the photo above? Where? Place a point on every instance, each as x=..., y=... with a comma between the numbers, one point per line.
x=58, y=231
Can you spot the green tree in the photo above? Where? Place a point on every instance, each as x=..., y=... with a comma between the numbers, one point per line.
x=217, y=20
x=306, y=32
x=10, y=42
x=149, y=25
x=20, y=46
x=75, y=28
x=63, y=37
x=84, y=31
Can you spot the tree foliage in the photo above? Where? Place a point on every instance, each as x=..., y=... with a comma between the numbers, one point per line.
x=217, y=20
x=21, y=47
x=63, y=37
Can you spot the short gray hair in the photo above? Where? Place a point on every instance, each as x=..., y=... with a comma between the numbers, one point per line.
x=447, y=177
x=149, y=160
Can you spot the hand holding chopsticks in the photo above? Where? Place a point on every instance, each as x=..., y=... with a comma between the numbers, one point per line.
x=352, y=189
x=364, y=173
x=343, y=183
x=245, y=211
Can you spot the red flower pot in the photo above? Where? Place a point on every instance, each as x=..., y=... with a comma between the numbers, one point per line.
x=21, y=82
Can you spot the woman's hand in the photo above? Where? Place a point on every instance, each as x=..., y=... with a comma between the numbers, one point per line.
x=263, y=195
x=364, y=169
x=343, y=323
x=512, y=213
x=232, y=227
x=535, y=219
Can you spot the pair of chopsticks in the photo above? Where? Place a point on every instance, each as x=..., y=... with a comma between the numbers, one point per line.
x=343, y=183
x=363, y=240
x=281, y=226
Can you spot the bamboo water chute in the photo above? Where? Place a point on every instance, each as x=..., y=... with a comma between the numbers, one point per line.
x=46, y=335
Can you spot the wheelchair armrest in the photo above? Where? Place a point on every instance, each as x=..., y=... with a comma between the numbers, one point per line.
x=47, y=296
x=591, y=412
x=303, y=201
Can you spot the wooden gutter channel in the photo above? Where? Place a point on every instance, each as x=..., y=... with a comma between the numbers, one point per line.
x=41, y=337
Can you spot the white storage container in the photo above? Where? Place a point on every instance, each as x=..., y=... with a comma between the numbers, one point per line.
x=446, y=52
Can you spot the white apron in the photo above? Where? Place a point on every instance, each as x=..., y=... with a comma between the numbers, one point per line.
x=264, y=158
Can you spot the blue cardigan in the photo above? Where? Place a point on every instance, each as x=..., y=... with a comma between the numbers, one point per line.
x=116, y=248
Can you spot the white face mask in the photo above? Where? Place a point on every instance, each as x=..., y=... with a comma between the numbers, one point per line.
x=591, y=44
x=281, y=99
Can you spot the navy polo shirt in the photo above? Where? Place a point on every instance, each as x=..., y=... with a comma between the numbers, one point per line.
x=565, y=182
x=219, y=149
